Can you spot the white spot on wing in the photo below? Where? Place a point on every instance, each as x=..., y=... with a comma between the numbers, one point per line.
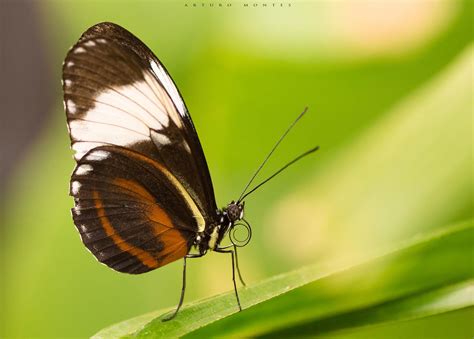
x=79, y=50
x=70, y=64
x=76, y=185
x=160, y=139
x=82, y=147
x=77, y=210
x=67, y=82
x=71, y=106
x=90, y=43
x=98, y=155
x=83, y=169
x=102, y=41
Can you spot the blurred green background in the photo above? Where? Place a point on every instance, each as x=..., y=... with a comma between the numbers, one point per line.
x=389, y=90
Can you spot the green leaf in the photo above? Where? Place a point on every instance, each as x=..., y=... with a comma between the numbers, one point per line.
x=454, y=324
x=412, y=307
x=427, y=277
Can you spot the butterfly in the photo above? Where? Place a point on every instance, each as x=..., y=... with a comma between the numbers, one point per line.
x=143, y=195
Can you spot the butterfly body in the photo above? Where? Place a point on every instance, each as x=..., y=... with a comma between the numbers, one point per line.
x=228, y=216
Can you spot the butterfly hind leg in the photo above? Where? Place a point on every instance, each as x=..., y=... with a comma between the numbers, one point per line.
x=237, y=266
x=183, y=288
x=220, y=250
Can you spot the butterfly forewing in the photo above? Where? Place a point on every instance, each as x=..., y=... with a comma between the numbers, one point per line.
x=120, y=100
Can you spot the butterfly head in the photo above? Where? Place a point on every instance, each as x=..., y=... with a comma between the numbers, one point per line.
x=235, y=211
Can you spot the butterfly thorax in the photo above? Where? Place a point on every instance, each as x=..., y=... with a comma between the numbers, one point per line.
x=211, y=238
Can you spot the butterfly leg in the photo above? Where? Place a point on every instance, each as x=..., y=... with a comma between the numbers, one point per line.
x=237, y=265
x=233, y=273
x=183, y=289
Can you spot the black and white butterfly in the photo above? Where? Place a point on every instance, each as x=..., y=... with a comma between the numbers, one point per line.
x=142, y=189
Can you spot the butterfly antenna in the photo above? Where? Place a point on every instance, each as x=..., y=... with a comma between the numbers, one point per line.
x=312, y=150
x=271, y=152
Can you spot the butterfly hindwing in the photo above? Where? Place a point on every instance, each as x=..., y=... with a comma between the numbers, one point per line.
x=129, y=210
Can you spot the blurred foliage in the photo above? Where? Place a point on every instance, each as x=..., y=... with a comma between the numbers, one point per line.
x=395, y=172
x=408, y=157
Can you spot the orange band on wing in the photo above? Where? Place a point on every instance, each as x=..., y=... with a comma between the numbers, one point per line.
x=134, y=187
x=140, y=254
x=201, y=223
x=174, y=244
x=161, y=220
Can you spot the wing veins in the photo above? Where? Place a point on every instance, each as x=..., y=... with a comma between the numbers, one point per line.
x=114, y=90
x=133, y=193
x=112, y=66
x=109, y=104
x=114, y=125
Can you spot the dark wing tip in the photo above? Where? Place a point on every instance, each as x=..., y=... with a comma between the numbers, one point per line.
x=102, y=29
x=120, y=35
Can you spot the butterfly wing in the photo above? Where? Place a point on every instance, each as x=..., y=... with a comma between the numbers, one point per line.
x=131, y=212
x=120, y=100
x=116, y=92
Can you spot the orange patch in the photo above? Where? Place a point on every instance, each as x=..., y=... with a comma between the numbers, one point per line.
x=174, y=244
x=192, y=205
x=134, y=187
x=140, y=254
x=155, y=213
